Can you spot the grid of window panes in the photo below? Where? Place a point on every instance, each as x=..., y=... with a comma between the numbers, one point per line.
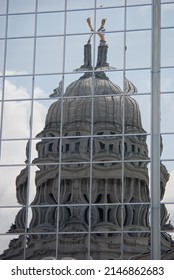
x=41, y=43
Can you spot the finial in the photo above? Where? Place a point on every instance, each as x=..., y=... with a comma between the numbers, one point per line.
x=89, y=23
x=57, y=91
x=102, y=51
x=100, y=31
x=129, y=87
x=91, y=28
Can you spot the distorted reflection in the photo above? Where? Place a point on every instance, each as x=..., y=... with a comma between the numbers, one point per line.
x=92, y=187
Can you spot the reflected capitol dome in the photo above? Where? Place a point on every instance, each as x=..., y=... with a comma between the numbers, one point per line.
x=108, y=100
x=92, y=196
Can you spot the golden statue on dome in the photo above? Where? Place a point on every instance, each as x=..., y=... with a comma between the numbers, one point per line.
x=100, y=31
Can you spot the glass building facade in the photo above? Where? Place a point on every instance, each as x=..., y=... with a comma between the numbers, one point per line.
x=86, y=131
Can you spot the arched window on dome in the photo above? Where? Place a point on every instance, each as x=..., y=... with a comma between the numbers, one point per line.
x=88, y=144
x=43, y=149
x=99, y=198
x=133, y=148
x=40, y=148
x=108, y=215
x=111, y=147
x=101, y=214
x=86, y=198
x=58, y=142
x=50, y=147
x=102, y=145
x=50, y=135
x=77, y=146
x=66, y=147
x=120, y=147
x=125, y=147
x=109, y=198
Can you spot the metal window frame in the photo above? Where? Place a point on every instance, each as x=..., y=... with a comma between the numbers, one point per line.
x=155, y=115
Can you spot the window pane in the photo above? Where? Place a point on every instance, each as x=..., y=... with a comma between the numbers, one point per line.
x=48, y=254
x=136, y=2
x=3, y=6
x=167, y=179
x=50, y=24
x=18, y=114
x=111, y=3
x=167, y=45
x=74, y=218
x=73, y=246
x=83, y=4
x=42, y=216
x=74, y=45
x=132, y=248
x=167, y=146
x=114, y=19
x=144, y=103
x=13, y=193
x=167, y=15
x=8, y=242
x=18, y=88
x=19, y=56
x=13, y=152
x=115, y=49
x=138, y=53
x=20, y=6
x=73, y=25
x=21, y=26
x=10, y=223
x=49, y=53
x=105, y=246
x=141, y=79
x=138, y=17
x=167, y=83
x=167, y=218
x=45, y=85
x=40, y=109
x=51, y=5
x=167, y=103
x=75, y=149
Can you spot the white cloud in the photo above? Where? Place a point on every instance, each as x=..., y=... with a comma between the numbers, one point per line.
x=39, y=93
x=16, y=125
x=13, y=72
